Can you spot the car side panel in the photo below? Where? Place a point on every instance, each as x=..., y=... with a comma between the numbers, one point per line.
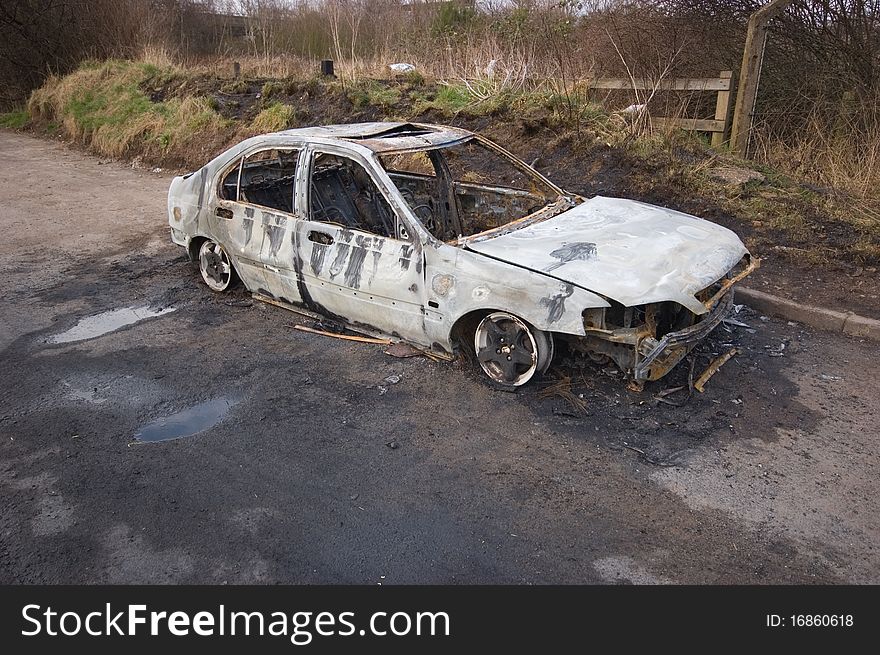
x=459, y=282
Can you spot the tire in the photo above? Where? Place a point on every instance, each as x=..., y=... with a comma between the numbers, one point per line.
x=510, y=351
x=215, y=266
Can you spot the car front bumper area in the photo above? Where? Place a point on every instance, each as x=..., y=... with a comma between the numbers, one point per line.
x=656, y=357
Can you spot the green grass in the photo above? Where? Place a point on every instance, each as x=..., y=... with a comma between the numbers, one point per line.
x=372, y=93
x=451, y=99
x=274, y=118
x=272, y=88
x=14, y=120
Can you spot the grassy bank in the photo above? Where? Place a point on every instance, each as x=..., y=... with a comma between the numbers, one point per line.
x=175, y=118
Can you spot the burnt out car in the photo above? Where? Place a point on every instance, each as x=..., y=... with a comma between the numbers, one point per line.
x=438, y=237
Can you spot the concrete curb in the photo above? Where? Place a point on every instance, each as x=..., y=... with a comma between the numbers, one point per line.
x=818, y=317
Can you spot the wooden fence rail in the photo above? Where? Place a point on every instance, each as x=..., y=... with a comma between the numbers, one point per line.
x=718, y=126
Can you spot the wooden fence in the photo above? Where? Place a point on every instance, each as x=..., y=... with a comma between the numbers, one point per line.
x=718, y=126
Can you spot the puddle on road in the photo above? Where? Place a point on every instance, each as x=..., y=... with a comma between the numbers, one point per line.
x=106, y=322
x=187, y=422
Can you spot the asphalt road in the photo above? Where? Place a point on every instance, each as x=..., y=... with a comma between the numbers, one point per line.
x=314, y=467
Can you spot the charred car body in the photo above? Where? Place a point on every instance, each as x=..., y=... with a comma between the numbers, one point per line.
x=440, y=238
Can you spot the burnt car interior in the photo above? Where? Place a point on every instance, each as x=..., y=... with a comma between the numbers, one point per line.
x=465, y=188
x=456, y=190
x=267, y=179
x=342, y=192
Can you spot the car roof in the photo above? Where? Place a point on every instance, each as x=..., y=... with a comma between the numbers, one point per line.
x=383, y=136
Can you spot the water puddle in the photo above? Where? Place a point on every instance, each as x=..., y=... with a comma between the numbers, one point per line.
x=187, y=422
x=106, y=322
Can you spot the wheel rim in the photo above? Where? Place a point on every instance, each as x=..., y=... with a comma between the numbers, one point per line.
x=215, y=266
x=506, y=349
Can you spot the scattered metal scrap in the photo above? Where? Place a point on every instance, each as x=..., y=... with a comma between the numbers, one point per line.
x=646, y=458
x=712, y=369
x=402, y=350
x=395, y=348
x=776, y=352
x=660, y=396
x=337, y=335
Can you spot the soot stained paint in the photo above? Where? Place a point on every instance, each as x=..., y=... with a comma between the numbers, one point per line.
x=555, y=304
x=570, y=252
x=306, y=299
x=319, y=253
x=376, y=256
x=203, y=176
x=276, y=238
x=356, y=262
x=248, y=224
x=405, y=255
x=339, y=261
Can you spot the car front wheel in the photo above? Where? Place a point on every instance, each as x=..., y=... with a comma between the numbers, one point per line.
x=510, y=351
x=217, y=271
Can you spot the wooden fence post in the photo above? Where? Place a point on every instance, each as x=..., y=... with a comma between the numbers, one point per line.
x=722, y=111
x=750, y=74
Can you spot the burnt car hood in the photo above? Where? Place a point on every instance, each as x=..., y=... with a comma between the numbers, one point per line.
x=625, y=250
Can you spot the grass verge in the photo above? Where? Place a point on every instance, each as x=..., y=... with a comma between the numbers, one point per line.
x=15, y=120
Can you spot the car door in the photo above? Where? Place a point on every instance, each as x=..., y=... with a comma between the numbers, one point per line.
x=356, y=260
x=256, y=217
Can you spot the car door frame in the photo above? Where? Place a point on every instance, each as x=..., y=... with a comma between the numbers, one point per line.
x=383, y=304
x=263, y=249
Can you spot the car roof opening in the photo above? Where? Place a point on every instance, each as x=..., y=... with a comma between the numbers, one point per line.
x=404, y=129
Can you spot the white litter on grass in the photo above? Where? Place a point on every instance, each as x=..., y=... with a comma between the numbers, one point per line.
x=106, y=322
x=633, y=109
x=402, y=68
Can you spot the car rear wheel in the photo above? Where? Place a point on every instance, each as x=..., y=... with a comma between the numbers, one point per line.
x=510, y=351
x=217, y=271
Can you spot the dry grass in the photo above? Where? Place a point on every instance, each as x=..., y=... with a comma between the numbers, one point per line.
x=562, y=389
x=277, y=67
x=834, y=153
x=103, y=107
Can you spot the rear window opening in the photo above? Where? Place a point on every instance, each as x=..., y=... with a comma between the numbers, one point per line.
x=266, y=178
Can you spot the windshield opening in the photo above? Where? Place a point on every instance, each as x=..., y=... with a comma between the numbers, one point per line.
x=466, y=188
